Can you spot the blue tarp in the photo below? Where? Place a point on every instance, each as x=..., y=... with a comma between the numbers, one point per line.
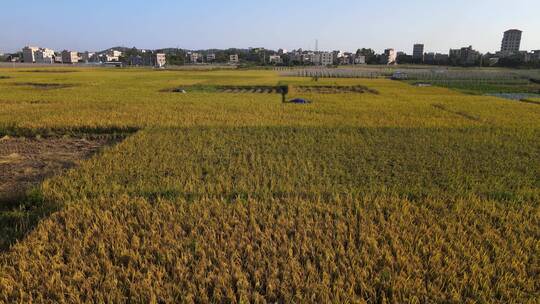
x=299, y=100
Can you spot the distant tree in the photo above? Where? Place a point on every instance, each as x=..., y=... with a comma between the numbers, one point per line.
x=404, y=59
x=371, y=57
x=510, y=62
x=177, y=57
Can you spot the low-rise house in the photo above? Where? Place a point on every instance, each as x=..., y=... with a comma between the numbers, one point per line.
x=157, y=60
x=112, y=56
x=57, y=57
x=70, y=57
x=359, y=59
x=109, y=58
x=336, y=56
x=13, y=58
x=465, y=56
x=211, y=57
x=194, y=57
x=348, y=58
x=436, y=58
x=234, y=59
x=308, y=58
x=114, y=53
x=89, y=57
x=275, y=59
x=295, y=57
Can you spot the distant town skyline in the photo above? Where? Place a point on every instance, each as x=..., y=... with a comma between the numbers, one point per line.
x=340, y=25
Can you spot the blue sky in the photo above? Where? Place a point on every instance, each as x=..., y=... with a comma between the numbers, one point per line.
x=338, y=24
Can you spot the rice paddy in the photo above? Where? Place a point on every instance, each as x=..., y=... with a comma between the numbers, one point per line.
x=376, y=192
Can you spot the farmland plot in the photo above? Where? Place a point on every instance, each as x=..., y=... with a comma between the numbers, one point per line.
x=407, y=195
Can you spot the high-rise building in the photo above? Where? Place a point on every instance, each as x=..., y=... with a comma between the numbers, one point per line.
x=418, y=52
x=511, y=42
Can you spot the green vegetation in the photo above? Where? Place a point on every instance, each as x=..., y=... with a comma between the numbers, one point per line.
x=408, y=195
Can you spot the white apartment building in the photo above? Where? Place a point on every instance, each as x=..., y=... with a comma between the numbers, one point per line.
x=323, y=58
x=70, y=57
x=160, y=60
x=390, y=56
x=44, y=56
x=29, y=54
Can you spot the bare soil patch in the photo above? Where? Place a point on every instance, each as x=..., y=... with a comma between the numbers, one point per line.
x=59, y=71
x=228, y=89
x=25, y=162
x=45, y=86
x=249, y=89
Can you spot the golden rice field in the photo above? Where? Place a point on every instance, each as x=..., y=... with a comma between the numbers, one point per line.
x=400, y=194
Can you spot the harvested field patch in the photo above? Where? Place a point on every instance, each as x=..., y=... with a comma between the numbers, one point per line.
x=45, y=86
x=336, y=89
x=24, y=164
